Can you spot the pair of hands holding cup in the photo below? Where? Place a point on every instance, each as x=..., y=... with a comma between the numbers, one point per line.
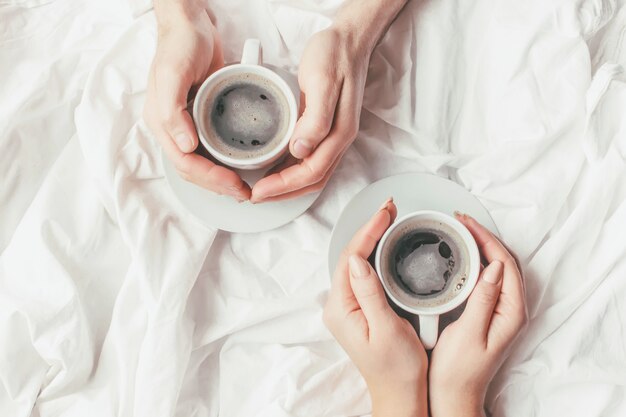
x=332, y=76
x=386, y=348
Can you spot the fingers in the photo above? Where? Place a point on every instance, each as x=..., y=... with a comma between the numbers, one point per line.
x=493, y=250
x=315, y=168
x=201, y=171
x=489, y=245
x=368, y=291
x=367, y=237
x=171, y=88
x=362, y=245
x=481, y=303
x=320, y=98
x=314, y=188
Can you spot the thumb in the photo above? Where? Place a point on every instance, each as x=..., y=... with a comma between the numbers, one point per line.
x=316, y=120
x=173, y=89
x=482, y=301
x=368, y=290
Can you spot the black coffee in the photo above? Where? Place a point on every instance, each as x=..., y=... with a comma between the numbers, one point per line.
x=424, y=261
x=248, y=116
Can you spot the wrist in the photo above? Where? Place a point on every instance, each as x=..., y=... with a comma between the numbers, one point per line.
x=406, y=400
x=366, y=21
x=453, y=403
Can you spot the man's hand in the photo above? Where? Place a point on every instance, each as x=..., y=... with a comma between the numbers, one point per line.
x=332, y=74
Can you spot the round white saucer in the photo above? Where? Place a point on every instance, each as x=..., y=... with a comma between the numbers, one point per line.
x=225, y=213
x=410, y=192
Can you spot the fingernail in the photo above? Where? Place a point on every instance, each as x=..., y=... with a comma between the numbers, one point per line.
x=386, y=204
x=184, y=143
x=458, y=213
x=358, y=267
x=301, y=148
x=493, y=273
x=233, y=188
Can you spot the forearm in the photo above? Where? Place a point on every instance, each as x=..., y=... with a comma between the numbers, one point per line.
x=367, y=20
x=169, y=12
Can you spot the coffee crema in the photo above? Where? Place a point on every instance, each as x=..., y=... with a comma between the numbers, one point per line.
x=245, y=116
x=425, y=263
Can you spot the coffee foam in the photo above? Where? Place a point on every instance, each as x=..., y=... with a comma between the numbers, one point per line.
x=244, y=116
x=455, y=283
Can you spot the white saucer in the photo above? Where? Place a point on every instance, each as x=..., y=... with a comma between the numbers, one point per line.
x=225, y=213
x=411, y=192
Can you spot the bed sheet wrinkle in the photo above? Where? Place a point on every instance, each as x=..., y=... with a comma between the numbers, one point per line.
x=43, y=66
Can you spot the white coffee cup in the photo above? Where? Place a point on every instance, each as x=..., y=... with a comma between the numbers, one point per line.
x=251, y=63
x=429, y=315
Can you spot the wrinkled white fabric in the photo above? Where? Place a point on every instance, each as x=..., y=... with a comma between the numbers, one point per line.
x=114, y=302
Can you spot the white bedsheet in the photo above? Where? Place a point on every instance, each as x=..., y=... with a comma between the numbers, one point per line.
x=114, y=302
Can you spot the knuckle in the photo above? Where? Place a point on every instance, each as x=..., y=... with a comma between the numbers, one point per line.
x=183, y=166
x=487, y=297
x=320, y=127
x=315, y=174
x=170, y=119
x=368, y=292
x=351, y=130
x=510, y=262
x=345, y=254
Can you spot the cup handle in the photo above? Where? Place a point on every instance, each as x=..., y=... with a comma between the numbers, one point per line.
x=429, y=330
x=252, y=52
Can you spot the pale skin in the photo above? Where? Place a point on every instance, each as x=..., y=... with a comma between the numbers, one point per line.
x=386, y=349
x=331, y=75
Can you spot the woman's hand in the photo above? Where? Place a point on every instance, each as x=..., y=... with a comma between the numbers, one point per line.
x=384, y=347
x=332, y=74
x=188, y=51
x=470, y=350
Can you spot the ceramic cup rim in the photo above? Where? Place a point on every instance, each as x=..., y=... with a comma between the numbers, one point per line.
x=237, y=69
x=473, y=254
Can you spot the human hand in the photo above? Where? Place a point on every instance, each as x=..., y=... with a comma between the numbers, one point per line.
x=188, y=51
x=332, y=76
x=470, y=350
x=384, y=347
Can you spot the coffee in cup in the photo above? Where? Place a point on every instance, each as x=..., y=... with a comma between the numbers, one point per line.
x=244, y=116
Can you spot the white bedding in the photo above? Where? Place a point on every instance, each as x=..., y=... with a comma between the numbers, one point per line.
x=114, y=302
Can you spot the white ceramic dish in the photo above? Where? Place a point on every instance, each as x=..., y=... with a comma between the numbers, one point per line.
x=411, y=192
